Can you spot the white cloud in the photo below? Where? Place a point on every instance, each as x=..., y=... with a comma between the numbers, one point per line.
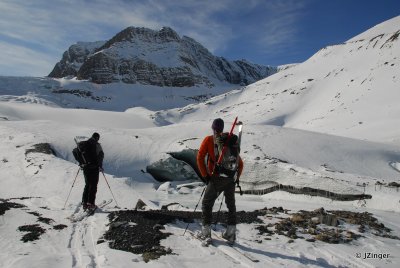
x=22, y=61
x=51, y=26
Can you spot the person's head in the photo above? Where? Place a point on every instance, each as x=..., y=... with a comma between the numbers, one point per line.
x=218, y=126
x=96, y=136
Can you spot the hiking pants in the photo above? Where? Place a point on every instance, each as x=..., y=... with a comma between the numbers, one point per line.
x=214, y=188
x=91, y=180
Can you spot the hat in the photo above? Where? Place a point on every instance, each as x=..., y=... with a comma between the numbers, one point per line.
x=218, y=125
x=96, y=136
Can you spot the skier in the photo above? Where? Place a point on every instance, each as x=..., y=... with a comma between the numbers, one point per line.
x=94, y=155
x=217, y=182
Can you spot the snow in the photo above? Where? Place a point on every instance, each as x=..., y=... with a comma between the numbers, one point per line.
x=289, y=139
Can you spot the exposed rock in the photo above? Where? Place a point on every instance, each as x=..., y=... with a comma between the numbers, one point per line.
x=5, y=205
x=140, y=232
x=60, y=226
x=140, y=205
x=34, y=232
x=305, y=222
x=394, y=184
x=73, y=59
x=160, y=58
x=43, y=148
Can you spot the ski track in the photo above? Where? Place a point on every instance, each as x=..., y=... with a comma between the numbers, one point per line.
x=215, y=250
x=82, y=245
x=212, y=250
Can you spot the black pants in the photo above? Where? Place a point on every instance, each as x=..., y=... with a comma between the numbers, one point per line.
x=214, y=188
x=91, y=180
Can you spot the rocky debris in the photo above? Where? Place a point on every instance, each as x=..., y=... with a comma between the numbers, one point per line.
x=34, y=232
x=45, y=220
x=82, y=94
x=326, y=226
x=140, y=205
x=6, y=205
x=44, y=148
x=59, y=226
x=394, y=184
x=140, y=232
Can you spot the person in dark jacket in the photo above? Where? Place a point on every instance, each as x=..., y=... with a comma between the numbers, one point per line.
x=94, y=156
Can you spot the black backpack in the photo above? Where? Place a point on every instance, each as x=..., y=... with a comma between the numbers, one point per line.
x=79, y=152
x=230, y=160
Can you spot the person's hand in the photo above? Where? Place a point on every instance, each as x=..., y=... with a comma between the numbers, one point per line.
x=237, y=181
x=217, y=169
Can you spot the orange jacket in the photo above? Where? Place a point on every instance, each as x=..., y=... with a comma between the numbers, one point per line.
x=207, y=148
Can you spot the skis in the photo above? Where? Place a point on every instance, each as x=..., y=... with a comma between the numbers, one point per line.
x=240, y=127
x=224, y=246
x=81, y=214
x=234, y=246
x=204, y=242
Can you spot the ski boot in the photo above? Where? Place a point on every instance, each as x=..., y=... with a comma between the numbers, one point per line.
x=230, y=234
x=90, y=208
x=205, y=235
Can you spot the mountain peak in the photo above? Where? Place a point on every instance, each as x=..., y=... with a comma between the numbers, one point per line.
x=132, y=34
x=157, y=57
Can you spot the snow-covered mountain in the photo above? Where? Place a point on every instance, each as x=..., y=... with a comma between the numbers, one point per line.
x=349, y=89
x=160, y=58
x=318, y=133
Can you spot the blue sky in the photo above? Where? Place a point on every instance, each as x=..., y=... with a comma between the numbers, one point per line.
x=34, y=34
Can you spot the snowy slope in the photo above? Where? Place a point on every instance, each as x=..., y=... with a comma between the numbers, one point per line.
x=349, y=90
x=129, y=149
x=71, y=93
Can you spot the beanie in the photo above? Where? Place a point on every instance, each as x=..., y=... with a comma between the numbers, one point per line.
x=96, y=136
x=218, y=125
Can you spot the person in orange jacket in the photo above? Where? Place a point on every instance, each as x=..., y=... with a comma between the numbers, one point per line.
x=216, y=183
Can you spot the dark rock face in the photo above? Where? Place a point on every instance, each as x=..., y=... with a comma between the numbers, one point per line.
x=159, y=58
x=73, y=58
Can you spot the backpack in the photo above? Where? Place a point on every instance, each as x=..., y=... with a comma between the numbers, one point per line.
x=230, y=160
x=79, y=152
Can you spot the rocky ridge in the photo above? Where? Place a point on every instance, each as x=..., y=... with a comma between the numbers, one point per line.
x=160, y=58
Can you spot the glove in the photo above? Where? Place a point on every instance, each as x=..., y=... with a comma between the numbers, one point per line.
x=237, y=181
x=217, y=169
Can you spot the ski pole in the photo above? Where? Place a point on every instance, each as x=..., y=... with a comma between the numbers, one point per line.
x=238, y=185
x=219, y=210
x=187, y=226
x=72, y=187
x=110, y=189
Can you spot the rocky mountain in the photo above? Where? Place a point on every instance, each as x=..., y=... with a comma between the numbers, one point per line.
x=160, y=58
